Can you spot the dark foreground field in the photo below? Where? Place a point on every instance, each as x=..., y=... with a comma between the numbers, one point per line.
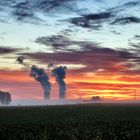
x=71, y=122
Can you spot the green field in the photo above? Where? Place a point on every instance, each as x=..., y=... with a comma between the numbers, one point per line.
x=71, y=122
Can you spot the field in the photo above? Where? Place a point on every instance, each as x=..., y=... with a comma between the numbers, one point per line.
x=71, y=122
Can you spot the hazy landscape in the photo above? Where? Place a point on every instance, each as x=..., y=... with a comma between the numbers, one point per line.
x=69, y=69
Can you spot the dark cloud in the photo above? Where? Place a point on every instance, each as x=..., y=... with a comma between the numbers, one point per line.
x=7, y=2
x=99, y=16
x=126, y=20
x=90, y=54
x=95, y=21
x=124, y=6
x=3, y=21
x=111, y=16
x=25, y=12
x=49, y=5
x=135, y=43
x=132, y=3
x=137, y=37
x=6, y=50
x=91, y=20
x=64, y=43
x=56, y=41
x=20, y=15
x=19, y=10
x=93, y=59
x=25, y=9
x=22, y=10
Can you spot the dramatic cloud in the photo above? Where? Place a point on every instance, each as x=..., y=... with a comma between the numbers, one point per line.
x=135, y=43
x=90, y=54
x=64, y=43
x=132, y=3
x=92, y=20
x=6, y=50
x=126, y=20
x=98, y=40
x=137, y=37
x=57, y=41
x=23, y=10
x=110, y=16
x=48, y=5
x=28, y=10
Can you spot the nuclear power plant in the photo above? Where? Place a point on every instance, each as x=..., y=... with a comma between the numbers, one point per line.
x=41, y=76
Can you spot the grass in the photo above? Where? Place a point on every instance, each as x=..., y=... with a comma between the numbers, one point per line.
x=71, y=122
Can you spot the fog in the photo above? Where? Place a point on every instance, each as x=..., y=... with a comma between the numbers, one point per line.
x=42, y=102
x=34, y=102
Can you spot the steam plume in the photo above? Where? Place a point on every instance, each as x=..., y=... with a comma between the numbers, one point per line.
x=20, y=60
x=41, y=76
x=60, y=73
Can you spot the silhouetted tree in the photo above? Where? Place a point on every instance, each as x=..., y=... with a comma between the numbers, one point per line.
x=5, y=97
x=96, y=98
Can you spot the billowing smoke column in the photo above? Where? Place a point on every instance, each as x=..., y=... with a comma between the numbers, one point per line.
x=60, y=73
x=41, y=76
x=20, y=60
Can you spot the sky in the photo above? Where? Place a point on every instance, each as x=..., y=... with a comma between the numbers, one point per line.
x=98, y=41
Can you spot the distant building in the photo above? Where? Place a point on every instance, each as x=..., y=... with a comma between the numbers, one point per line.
x=5, y=97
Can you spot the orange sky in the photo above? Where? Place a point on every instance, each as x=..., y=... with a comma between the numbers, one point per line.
x=98, y=42
x=109, y=86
